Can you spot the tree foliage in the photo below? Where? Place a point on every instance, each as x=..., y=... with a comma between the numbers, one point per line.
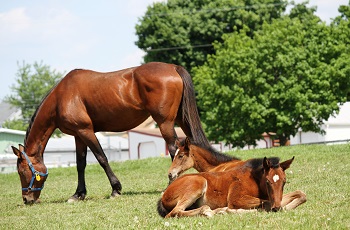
x=182, y=31
x=33, y=82
x=291, y=74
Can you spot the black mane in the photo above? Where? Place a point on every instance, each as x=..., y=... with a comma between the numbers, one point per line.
x=257, y=163
x=36, y=112
x=218, y=155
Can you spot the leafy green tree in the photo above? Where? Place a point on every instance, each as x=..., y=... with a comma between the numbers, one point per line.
x=290, y=75
x=182, y=31
x=33, y=82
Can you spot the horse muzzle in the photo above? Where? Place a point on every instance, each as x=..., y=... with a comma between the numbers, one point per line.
x=172, y=177
x=31, y=198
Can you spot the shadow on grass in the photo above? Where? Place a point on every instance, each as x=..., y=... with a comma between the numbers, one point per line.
x=94, y=198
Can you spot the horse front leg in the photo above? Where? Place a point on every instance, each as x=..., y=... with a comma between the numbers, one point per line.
x=90, y=139
x=81, y=151
x=293, y=199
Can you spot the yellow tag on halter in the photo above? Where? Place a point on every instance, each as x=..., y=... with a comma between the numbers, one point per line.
x=37, y=177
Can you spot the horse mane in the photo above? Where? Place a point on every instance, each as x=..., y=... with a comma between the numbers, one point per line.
x=35, y=113
x=257, y=163
x=220, y=157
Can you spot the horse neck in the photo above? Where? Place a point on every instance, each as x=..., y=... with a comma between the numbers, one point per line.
x=40, y=129
x=204, y=160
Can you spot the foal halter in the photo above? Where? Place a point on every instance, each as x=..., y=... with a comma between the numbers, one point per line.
x=36, y=175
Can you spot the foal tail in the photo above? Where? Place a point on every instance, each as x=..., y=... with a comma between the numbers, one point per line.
x=190, y=115
x=161, y=210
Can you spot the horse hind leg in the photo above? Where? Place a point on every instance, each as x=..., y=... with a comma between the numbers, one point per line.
x=293, y=199
x=81, y=151
x=90, y=139
x=168, y=132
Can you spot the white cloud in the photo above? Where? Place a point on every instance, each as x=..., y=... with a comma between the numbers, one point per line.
x=14, y=21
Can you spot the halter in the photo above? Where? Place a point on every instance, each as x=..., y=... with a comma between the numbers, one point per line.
x=36, y=175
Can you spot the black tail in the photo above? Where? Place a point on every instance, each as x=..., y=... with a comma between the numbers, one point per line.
x=161, y=210
x=190, y=116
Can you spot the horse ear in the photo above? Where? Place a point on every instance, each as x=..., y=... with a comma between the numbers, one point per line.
x=266, y=164
x=16, y=151
x=21, y=148
x=284, y=165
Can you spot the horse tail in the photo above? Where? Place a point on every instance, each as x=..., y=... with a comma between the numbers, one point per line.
x=161, y=210
x=190, y=115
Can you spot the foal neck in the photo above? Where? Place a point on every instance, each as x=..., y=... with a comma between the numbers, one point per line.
x=206, y=159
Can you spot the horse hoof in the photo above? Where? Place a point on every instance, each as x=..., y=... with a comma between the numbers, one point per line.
x=114, y=195
x=74, y=199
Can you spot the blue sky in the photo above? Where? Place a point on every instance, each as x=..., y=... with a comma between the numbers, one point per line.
x=69, y=34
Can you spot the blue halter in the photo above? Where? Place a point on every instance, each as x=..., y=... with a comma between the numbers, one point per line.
x=36, y=174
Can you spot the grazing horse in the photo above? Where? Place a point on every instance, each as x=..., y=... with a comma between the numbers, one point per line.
x=85, y=102
x=257, y=183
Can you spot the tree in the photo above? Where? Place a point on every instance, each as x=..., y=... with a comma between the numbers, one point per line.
x=290, y=75
x=33, y=83
x=182, y=31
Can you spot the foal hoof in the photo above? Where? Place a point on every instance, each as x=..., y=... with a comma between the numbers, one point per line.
x=206, y=211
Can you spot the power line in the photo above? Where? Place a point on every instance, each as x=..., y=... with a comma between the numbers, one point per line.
x=179, y=47
x=194, y=11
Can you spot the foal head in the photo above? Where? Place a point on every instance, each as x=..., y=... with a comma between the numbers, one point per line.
x=274, y=178
x=182, y=161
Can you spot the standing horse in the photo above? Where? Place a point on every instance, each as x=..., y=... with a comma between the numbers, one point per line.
x=258, y=183
x=85, y=102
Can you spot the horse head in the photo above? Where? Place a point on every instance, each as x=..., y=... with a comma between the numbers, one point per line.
x=182, y=160
x=32, y=173
x=275, y=179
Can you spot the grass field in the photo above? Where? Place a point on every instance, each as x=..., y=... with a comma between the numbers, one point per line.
x=322, y=172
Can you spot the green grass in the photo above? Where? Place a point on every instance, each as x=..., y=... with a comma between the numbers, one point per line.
x=322, y=172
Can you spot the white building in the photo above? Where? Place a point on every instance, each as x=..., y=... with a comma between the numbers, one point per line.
x=145, y=142
x=337, y=129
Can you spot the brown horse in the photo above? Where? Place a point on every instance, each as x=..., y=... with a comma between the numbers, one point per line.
x=255, y=183
x=202, y=158
x=85, y=102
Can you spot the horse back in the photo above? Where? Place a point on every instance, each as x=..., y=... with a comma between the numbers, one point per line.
x=116, y=101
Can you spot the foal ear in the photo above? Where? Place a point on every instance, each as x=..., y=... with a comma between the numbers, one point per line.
x=177, y=143
x=266, y=164
x=284, y=165
x=187, y=142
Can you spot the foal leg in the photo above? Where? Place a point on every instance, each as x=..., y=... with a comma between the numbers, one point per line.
x=226, y=210
x=81, y=151
x=90, y=139
x=293, y=200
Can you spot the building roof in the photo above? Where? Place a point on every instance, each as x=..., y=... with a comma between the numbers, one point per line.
x=6, y=111
x=67, y=142
x=12, y=131
x=156, y=132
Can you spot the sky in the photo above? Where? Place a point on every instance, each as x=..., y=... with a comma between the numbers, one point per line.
x=69, y=34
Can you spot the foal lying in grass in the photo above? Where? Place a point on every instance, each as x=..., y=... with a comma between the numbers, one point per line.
x=243, y=186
